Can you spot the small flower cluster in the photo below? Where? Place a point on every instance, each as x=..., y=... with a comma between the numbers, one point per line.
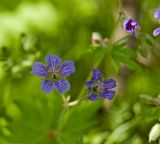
x=156, y=32
x=55, y=73
x=131, y=25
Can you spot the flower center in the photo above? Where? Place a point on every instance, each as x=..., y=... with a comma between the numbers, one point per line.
x=96, y=88
x=129, y=26
x=53, y=74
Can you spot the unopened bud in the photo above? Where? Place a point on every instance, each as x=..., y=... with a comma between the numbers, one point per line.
x=154, y=133
x=96, y=38
x=73, y=103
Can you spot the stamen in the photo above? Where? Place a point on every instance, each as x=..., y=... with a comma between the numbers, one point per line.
x=53, y=73
x=96, y=87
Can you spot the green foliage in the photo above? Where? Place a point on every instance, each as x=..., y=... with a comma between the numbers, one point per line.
x=32, y=29
x=73, y=120
x=123, y=55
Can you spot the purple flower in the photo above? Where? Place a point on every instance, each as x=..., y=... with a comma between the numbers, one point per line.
x=157, y=14
x=54, y=73
x=130, y=25
x=98, y=88
x=156, y=32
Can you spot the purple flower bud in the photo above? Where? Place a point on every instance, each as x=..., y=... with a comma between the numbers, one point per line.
x=156, y=32
x=130, y=25
x=157, y=14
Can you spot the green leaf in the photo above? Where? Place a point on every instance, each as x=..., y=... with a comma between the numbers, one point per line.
x=120, y=54
x=148, y=39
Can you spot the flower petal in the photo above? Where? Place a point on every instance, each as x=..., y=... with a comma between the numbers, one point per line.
x=92, y=97
x=96, y=75
x=47, y=86
x=156, y=32
x=39, y=69
x=134, y=23
x=157, y=14
x=132, y=31
x=108, y=94
x=62, y=86
x=67, y=68
x=53, y=61
x=125, y=23
x=108, y=84
x=89, y=84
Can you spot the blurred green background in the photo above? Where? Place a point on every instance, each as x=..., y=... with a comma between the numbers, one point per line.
x=31, y=29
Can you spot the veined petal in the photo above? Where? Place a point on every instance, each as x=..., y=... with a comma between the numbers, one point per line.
x=156, y=32
x=108, y=84
x=67, y=68
x=39, y=69
x=53, y=61
x=47, y=86
x=89, y=84
x=92, y=97
x=62, y=86
x=108, y=94
x=96, y=75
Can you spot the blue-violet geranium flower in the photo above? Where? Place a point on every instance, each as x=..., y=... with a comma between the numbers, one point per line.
x=54, y=73
x=98, y=88
x=130, y=25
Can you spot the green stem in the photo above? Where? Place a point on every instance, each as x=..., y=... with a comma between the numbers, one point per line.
x=121, y=39
x=120, y=5
x=150, y=100
x=115, y=28
x=120, y=16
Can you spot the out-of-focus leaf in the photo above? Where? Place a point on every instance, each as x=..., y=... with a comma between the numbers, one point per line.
x=120, y=134
x=3, y=141
x=77, y=120
x=154, y=133
x=38, y=118
x=116, y=65
x=143, y=51
x=150, y=100
x=148, y=39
